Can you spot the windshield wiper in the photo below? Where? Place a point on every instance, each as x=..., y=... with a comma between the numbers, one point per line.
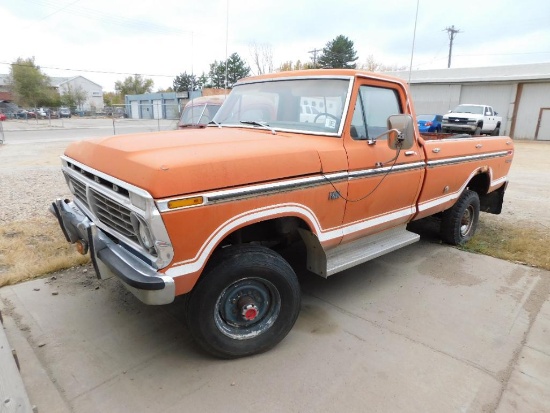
x=215, y=123
x=259, y=123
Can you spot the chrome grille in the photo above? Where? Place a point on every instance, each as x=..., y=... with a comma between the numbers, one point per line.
x=79, y=190
x=460, y=121
x=113, y=214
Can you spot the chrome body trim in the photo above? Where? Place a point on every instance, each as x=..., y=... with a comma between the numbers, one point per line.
x=468, y=158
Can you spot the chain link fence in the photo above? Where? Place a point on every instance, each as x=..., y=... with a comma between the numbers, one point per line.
x=132, y=118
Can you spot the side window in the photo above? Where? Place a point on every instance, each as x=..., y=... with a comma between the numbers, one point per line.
x=373, y=107
x=489, y=110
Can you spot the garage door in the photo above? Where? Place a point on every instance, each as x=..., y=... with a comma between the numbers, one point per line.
x=497, y=96
x=135, y=109
x=157, y=109
x=535, y=96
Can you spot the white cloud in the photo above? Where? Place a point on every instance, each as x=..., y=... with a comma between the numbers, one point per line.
x=170, y=36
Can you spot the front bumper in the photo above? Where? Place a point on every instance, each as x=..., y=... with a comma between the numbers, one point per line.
x=110, y=258
x=458, y=127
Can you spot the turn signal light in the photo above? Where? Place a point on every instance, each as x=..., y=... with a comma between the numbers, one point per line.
x=186, y=202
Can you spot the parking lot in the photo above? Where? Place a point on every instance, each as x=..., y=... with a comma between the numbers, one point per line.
x=428, y=328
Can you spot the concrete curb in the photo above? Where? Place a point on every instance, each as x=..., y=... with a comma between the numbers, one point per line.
x=13, y=394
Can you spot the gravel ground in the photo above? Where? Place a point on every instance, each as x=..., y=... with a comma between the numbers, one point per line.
x=28, y=193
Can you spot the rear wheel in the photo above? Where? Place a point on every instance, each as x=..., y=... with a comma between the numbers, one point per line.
x=459, y=223
x=246, y=302
x=496, y=132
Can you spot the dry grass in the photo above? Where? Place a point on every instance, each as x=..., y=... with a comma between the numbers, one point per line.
x=30, y=249
x=516, y=243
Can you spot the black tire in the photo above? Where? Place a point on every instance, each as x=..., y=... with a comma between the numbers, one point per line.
x=243, y=281
x=496, y=132
x=477, y=132
x=459, y=223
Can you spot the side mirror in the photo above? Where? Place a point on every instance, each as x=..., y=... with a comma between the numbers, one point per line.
x=496, y=113
x=401, y=132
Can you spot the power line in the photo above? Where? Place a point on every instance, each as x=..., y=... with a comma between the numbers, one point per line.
x=89, y=71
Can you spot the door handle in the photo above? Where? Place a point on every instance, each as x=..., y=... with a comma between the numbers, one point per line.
x=410, y=153
x=479, y=146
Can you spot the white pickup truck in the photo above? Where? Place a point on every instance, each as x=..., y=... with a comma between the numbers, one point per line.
x=473, y=119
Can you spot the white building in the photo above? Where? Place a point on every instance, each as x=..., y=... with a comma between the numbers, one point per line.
x=93, y=91
x=519, y=93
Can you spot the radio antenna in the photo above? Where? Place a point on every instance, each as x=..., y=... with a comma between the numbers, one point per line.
x=414, y=38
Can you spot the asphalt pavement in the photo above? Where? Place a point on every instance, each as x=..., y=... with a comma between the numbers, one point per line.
x=428, y=328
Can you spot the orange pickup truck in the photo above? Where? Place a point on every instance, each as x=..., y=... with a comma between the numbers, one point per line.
x=210, y=214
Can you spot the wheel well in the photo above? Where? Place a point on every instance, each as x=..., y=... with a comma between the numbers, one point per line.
x=489, y=202
x=480, y=184
x=279, y=234
x=274, y=233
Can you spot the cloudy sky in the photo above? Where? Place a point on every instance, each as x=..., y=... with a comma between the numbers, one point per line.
x=108, y=40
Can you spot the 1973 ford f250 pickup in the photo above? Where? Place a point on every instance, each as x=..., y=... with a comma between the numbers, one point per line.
x=208, y=213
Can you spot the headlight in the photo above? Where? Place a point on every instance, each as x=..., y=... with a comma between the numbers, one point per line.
x=142, y=230
x=145, y=236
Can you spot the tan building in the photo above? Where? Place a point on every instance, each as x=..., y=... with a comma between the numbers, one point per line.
x=519, y=93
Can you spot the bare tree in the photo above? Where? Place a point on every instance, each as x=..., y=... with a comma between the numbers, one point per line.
x=73, y=96
x=372, y=65
x=298, y=65
x=262, y=57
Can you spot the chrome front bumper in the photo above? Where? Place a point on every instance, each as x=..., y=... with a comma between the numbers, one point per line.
x=110, y=258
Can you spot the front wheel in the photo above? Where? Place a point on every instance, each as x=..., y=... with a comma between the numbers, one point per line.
x=459, y=223
x=245, y=303
x=477, y=132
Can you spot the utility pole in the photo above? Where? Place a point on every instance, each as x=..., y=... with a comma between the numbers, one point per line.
x=451, y=31
x=315, y=51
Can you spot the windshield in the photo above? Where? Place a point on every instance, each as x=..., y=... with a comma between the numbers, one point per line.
x=425, y=117
x=198, y=114
x=469, y=109
x=310, y=105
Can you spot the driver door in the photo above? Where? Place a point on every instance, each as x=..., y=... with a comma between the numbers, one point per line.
x=384, y=183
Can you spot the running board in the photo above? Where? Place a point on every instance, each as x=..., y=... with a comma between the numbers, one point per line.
x=342, y=257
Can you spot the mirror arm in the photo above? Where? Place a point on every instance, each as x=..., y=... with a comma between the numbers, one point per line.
x=400, y=137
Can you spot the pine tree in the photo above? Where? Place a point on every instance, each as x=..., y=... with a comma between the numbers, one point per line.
x=338, y=53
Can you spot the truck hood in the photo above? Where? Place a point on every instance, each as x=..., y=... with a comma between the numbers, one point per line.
x=462, y=115
x=189, y=161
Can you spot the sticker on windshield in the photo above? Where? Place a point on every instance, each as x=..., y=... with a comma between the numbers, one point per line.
x=330, y=123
